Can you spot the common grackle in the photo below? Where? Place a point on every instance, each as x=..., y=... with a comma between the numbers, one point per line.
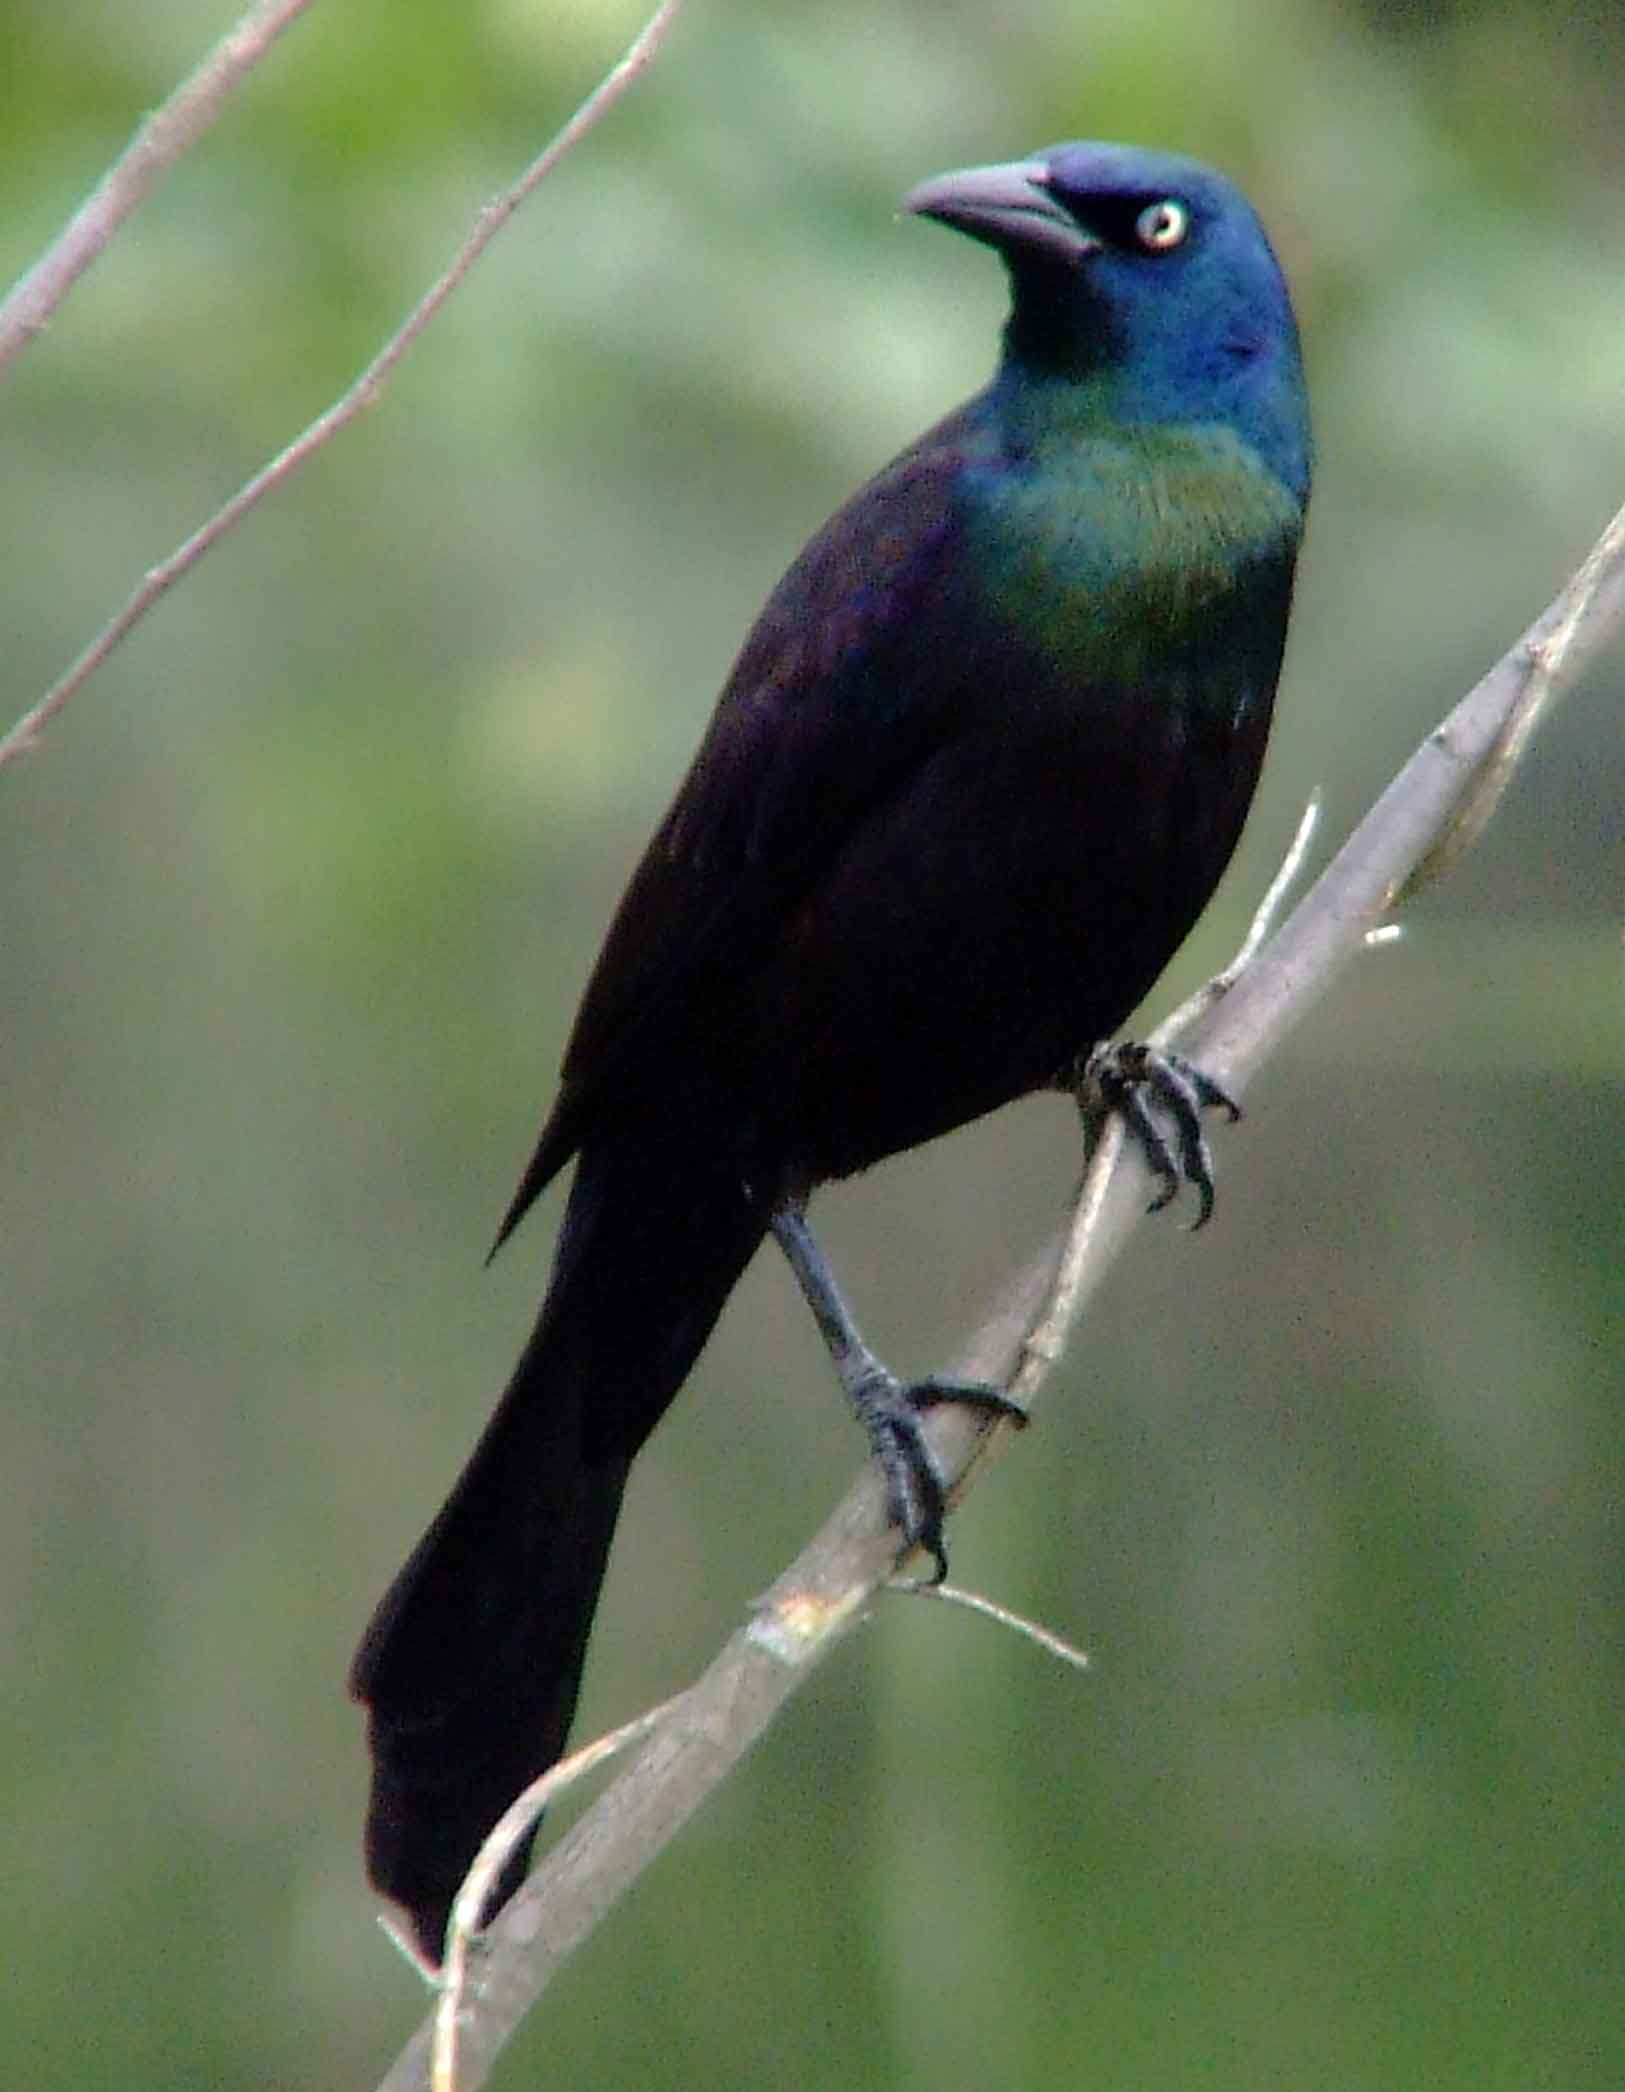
x=976, y=771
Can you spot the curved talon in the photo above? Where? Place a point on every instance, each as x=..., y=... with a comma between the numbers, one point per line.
x=1140, y=1083
x=916, y=1494
x=1125, y=1099
x=974, y=1394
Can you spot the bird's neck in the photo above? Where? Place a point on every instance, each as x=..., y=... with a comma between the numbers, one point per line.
x=1164, y=473
x=1042, y=410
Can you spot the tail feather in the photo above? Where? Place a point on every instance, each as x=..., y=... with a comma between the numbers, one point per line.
x=472, y=1663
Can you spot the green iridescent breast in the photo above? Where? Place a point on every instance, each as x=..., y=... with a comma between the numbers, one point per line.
x=1114, y=557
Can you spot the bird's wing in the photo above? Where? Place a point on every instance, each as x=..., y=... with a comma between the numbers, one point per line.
x=846, y=683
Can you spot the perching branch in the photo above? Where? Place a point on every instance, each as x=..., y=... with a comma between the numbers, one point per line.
x=492, y=218
x=1431, y=812
x=170, y=132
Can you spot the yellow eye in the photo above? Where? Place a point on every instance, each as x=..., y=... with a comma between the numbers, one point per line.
x=1162, y=225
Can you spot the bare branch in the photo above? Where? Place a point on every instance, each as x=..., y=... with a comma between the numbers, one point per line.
x=511, y=1826
x=1548, y=654
x=830, y=1586
x=169, y=132
x=492, y=218
x=1264, y=918
x=990, y=1609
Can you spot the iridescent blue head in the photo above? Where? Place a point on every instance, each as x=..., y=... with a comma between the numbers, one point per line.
x=1147, y=277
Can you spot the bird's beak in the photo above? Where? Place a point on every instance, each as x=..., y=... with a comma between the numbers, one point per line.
x=1008, y=207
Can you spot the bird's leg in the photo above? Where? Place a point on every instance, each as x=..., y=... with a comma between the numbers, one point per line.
x=889, y=1409
x=1160, y=1098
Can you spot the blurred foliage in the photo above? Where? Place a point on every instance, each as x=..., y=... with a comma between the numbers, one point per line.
x=301, y=890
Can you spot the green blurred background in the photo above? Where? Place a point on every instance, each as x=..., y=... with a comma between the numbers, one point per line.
x=299, y=895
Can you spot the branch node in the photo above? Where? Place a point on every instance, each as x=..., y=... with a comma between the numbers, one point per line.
x=795, y=1627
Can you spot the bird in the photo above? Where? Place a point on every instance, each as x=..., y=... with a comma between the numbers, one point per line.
x=975, y=773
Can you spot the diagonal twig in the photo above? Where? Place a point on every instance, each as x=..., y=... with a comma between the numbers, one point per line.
x=515, y=1821
x=973, y=1602
x=170, y=132
x=492, y=218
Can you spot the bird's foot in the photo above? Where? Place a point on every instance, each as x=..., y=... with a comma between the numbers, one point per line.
x=1160, y=1098
x=890, y=1411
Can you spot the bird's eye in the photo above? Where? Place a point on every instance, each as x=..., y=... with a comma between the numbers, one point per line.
x=1162, y=225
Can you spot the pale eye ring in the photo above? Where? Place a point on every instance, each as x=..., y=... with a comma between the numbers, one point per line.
x=1162, y=225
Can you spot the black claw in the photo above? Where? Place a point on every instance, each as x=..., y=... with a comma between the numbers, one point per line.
x=1151, y=1090
x=916, y=1494
x=930, y=1393
x=1126, y=1099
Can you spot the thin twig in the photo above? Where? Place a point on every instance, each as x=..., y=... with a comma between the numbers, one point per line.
x=990, y=1609
x=1264, y=917
x=830, y=1585
x=511, y=1826
x=492, y=217
x=1548, y=651
x=172, y=129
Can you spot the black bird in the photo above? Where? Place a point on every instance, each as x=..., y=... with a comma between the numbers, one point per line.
x=976, y=771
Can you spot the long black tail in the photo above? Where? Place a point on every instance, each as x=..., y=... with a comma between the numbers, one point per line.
x=471, y=1665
